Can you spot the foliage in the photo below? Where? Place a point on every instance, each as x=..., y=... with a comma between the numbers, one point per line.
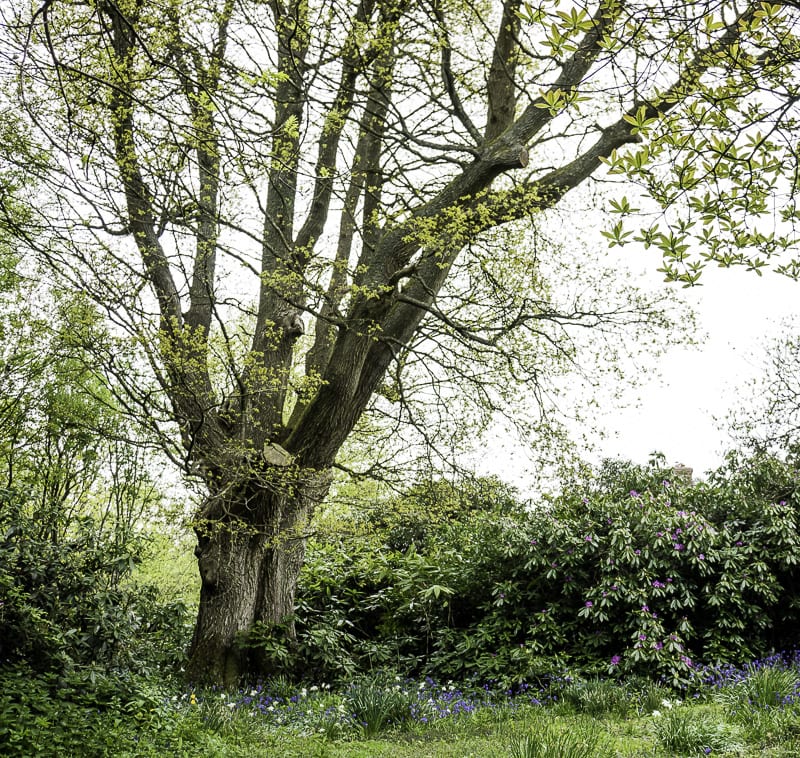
x=82, y=712
x=762, y=697
x=92, y=713
x=74, y=494
x=416, y=515
x=376, y=704
x=582, y=740
x=167, y=563
x=768, y=426
x=651, y=696
x=687, y=732
x=305, y=214
x=767, y=687
x=598, y=697
x=644, y=580
x=69, y=602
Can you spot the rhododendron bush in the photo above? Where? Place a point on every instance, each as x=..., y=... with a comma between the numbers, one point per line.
x=627, y=571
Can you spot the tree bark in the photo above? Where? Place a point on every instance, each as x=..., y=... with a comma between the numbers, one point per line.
x=249, y=561
x=229, y=559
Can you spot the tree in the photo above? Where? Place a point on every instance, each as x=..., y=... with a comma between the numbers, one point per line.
x=362, y=163
x=75, y=494
x=769, y=424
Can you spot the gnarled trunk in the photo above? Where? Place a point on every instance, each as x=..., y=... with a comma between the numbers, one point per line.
x=249, y=566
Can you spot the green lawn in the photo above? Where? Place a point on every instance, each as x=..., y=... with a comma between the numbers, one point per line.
x=485, y=735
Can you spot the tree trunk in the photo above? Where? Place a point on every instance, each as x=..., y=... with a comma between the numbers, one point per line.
x=249, y=566
x=229, y=559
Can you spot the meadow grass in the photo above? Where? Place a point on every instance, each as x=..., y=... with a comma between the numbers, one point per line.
x=731, y=711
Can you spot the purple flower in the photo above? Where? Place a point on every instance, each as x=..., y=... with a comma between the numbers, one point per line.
x=701, y=557
x=587, y=538
x=658, y=584
x=642, y=637
x=634, y=493
x=658, y=645
x=615, y=659
x=739, y=543
x=678, y=546
x=646, y=609
x=637, y=552
x=588, y=603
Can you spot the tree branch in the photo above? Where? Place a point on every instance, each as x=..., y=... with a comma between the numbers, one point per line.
x=501, y=84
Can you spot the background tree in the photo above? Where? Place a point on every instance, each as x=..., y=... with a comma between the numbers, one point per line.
x=75, y=495
x=769, y=423
x=222, y=171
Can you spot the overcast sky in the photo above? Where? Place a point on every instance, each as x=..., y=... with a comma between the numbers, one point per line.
x=740, y=312
x=682, y=412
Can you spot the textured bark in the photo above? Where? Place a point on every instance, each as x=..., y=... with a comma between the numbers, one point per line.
x=249, y=566
x=230, y=570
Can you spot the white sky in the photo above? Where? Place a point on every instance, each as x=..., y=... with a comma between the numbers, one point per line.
x=740, y=312
x=681, y=410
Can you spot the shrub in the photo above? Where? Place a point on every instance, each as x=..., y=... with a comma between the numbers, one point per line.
x=67, y=602
x=643, y=581
x=82, y=712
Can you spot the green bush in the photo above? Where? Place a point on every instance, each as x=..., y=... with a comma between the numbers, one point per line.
x=67, y=602
x=82, y=712
x=638, y=581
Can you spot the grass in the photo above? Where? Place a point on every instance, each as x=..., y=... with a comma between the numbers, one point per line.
x=752, y=710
